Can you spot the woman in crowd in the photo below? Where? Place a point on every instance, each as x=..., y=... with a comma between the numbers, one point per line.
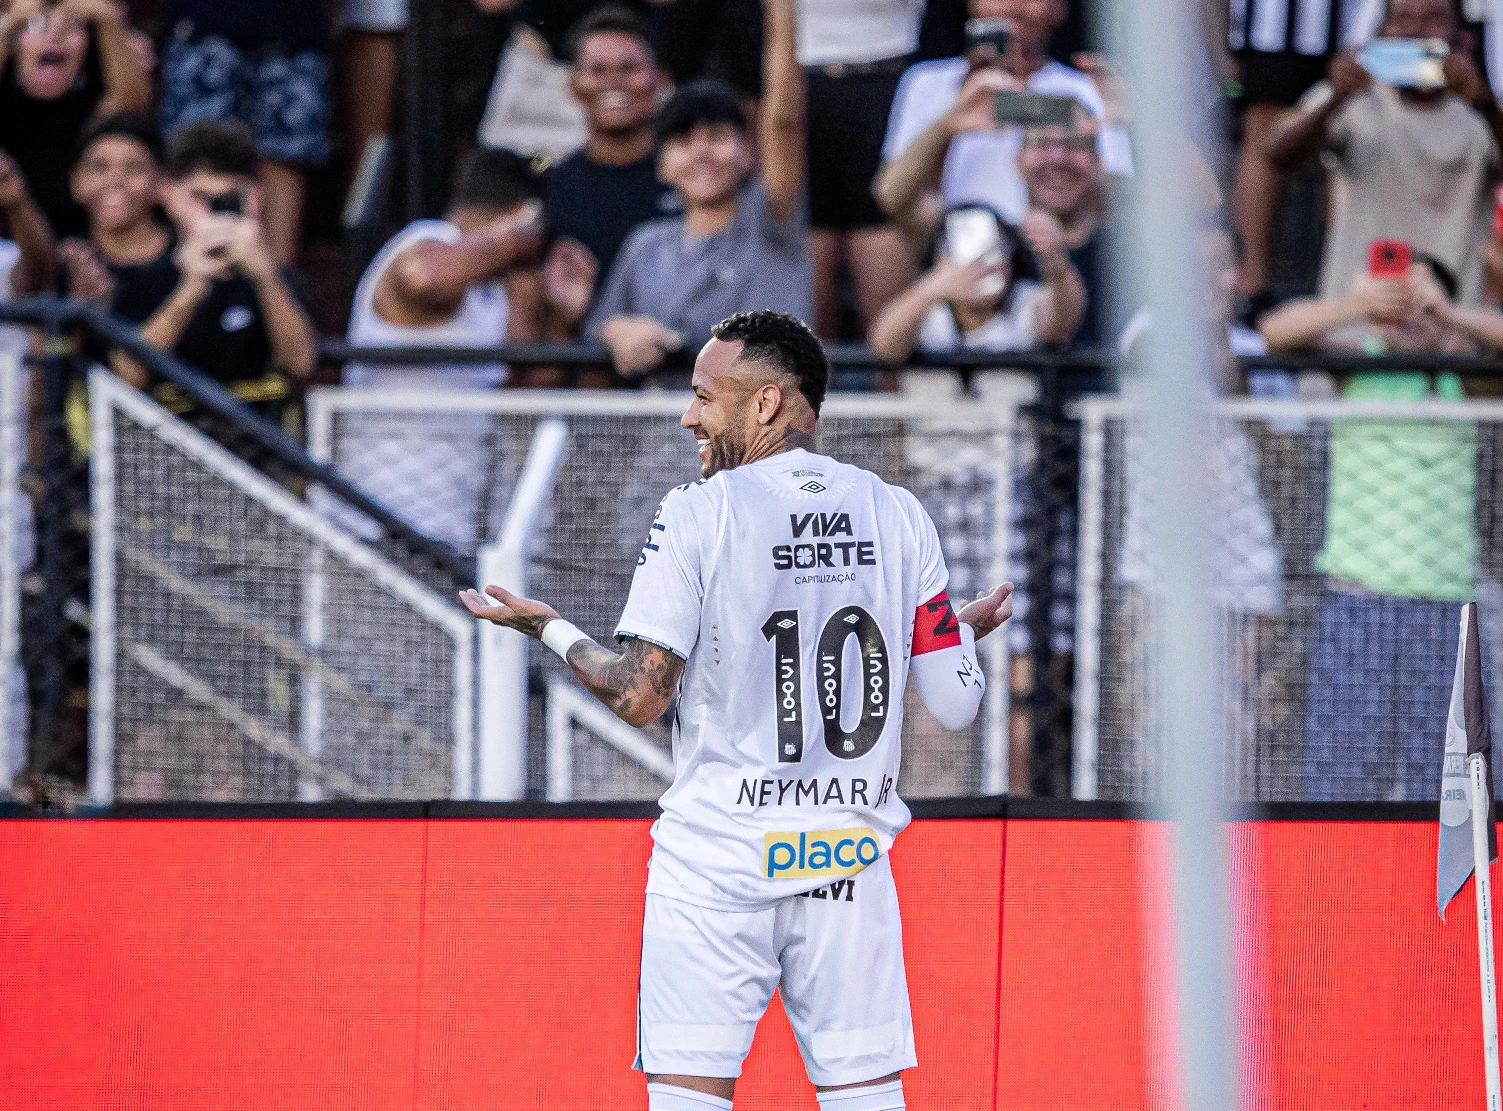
x=1023, y=292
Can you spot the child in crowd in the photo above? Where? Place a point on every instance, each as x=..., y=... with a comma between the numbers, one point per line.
x=1022, y=293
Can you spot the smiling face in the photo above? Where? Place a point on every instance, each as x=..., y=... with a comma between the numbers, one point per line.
x=50, y=53
x=617, y=82
x=723, y=414
x=707, y=163
x=1062, y=169
x=117, y=181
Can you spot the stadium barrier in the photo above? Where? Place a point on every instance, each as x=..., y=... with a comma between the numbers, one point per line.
x=459, y=956
x=1281, y=474
x=588, y=470
x=1021, y=469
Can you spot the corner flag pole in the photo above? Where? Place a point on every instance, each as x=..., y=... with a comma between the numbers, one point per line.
x=1482, y=814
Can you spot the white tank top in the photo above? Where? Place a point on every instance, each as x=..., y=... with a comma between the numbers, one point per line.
x=480, y=321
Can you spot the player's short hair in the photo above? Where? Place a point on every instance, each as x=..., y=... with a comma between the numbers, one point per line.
x=136, y=126
x=784, y=342
x=494, y=178
x=610, y=19
x=218, y=146
x=704, y=101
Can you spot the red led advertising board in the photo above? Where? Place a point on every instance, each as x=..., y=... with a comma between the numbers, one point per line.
x=491, y=963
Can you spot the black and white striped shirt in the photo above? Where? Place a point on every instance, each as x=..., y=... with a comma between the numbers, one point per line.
x=1312, y=27
x=1321, y=27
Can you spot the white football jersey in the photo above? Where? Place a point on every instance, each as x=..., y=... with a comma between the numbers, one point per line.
x=790, y=587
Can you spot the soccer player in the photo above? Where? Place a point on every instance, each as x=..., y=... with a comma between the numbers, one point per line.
x=784, y=596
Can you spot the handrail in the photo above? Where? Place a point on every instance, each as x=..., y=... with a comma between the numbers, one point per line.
x=854, y=356
x=843, y=356
x=56, y=313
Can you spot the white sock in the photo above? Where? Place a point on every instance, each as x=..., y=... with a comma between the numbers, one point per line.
x=670, y=1097
x=871, y=1097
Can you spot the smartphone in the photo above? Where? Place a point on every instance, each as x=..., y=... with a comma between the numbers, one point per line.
x=1406, y=63
x=994, y=33
x=1388, y=258
x=229, y=203
x=1032, y=109
x=1498, y=214
x=972, y=234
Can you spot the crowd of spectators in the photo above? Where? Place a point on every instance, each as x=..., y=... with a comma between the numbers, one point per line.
x=815, y=157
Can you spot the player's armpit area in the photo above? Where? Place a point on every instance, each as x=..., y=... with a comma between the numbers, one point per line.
x=944, y=664
x=636, y=683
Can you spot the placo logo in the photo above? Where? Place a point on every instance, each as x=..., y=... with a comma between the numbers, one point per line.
x=819, y=853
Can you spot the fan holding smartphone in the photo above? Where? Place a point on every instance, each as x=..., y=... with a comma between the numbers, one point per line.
x=215, y=297
x=1410, y=133
x=992, y=286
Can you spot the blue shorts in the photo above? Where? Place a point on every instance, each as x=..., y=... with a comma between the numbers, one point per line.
x=282, y=96
x=1380, y=689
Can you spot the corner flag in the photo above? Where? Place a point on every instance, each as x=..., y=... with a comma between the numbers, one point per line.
x=1467, y=735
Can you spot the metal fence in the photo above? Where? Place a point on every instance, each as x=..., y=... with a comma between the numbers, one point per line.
x=272, y=623
x=1346, y=534
x=454, y=462
x=246, y=649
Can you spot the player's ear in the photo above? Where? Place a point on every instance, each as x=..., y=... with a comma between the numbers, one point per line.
x=769, y=402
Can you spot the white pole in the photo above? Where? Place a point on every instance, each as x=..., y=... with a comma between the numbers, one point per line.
x=502, y=765
x=1482, y=816
x=1173, y=380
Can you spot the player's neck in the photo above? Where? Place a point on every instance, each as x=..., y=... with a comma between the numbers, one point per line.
x=775, y=441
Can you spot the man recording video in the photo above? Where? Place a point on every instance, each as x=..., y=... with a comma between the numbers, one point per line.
x=945, y=145
x=1411, y=140
x=215, y=297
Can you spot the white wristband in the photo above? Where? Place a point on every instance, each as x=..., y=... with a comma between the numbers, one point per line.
x=561, y=636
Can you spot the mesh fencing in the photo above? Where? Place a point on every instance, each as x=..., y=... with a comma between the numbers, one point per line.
x=624, y=453
x=1345, y=537
x=246, y=650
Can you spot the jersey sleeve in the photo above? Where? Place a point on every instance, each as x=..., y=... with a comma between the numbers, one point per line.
x=667, y=590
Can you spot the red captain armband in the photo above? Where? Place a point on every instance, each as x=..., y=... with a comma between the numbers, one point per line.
x=935, y=625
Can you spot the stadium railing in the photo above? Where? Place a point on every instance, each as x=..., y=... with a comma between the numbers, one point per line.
x=275, y=660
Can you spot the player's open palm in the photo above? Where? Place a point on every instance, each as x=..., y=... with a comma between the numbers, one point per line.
x=988, y=611
x=504, y=608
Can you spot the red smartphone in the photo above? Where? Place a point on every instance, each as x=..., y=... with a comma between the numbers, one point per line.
x=1388, y=258
x=1498, y=214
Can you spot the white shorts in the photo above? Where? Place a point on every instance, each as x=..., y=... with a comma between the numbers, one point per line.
x=836, y=953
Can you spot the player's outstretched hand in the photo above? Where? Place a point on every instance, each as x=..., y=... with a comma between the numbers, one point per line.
x=504, y=608
x=988, y=611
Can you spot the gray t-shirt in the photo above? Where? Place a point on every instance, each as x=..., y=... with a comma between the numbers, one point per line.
x=1423, y=174
x=754, y=262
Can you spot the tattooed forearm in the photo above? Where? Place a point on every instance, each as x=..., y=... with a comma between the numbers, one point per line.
x=529, y=625
x=636, y=683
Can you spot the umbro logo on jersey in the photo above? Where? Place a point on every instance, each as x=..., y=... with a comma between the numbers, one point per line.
x=812, y=487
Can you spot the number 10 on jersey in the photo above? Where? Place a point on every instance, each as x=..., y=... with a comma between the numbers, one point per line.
x=782, y=628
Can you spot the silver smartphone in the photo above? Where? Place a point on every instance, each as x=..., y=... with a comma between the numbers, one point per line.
x=972, y=234
x=1406, y=63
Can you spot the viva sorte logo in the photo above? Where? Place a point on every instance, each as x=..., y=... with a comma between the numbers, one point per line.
x=832, y=543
